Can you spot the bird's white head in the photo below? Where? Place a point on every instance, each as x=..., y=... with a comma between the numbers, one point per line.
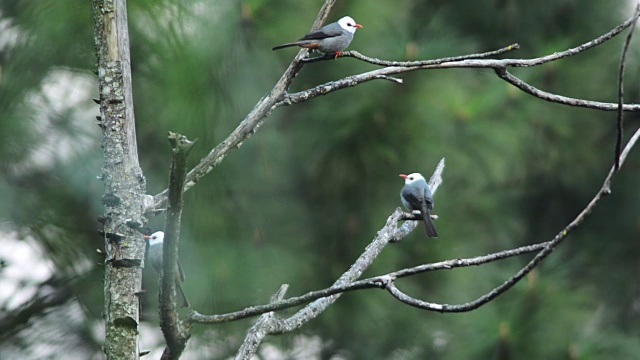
x=349, y=24
x=408, y=179
x=155, y=238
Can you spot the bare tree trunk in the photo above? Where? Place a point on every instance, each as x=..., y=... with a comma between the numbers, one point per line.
x=124, y=183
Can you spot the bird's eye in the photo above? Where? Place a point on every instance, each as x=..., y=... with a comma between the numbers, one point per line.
x=410, y=177
x=349, y=24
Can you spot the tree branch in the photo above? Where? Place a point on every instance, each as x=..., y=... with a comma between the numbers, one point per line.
x=386, y=281
x=258, y=331
x=324, y=298
x=251, y=122
x=507, y=62
x=559, y=99
x=278, y=97
x=371, y=252
x=469, y=61
x=368, y=283
x=620, y=113
x=175, y=335
x=374, y=61
x=546, y=250
x=384, y=236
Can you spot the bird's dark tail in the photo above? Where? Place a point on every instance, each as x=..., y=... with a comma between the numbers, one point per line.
x=285, y=45
x=429, y=226
x=183, y=298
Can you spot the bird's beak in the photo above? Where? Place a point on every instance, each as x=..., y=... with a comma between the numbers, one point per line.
x=147, y=237
x=357, y=25
x=403, y=176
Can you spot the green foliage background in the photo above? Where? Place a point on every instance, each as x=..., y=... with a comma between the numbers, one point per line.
x=299, y=201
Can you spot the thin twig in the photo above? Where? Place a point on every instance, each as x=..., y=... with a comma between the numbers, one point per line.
x=559, y=99
x=374, y=61
x=370, y=60
x=390, y=78
x=620, y=113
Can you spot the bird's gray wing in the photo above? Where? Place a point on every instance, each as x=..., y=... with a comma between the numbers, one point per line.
x=154, y=257
x=412, y=196
x=329, y=31
x=427, y=195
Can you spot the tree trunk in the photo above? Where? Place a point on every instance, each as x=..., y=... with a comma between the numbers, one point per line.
x=124, y=183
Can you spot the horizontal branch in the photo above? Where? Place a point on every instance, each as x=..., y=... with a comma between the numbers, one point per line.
x=469, y=61
x=278, y=97
x=499, y=63
x=368, y=283
x=559, y=99
x=374, y=61
x=251, y=311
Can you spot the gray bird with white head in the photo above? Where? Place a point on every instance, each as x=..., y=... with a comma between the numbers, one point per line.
x=154, y=256
x=416, y=195
x=330, y=39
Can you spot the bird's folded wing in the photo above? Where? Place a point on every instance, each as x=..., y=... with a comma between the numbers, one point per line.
x=321, y=34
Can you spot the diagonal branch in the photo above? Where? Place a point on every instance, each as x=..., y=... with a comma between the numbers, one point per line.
x=559, y=99
x=371, y=252
x=251, y=122
x=388, y=233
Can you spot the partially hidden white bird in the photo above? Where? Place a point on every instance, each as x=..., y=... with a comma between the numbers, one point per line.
x=154, y=255
x=331, y=38
x=416, y=195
